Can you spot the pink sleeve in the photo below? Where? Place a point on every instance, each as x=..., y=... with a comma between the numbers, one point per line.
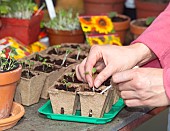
x=157, y=38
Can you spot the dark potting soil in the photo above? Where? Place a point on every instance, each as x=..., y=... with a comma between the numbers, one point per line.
x=63, y=87
x=118, y=19
x=55, y=52
x=72, y=46
x=141, y=23
x=41, y=58
x=107, y=82
x=72, y=79
x=27, y=74
x=46, y=68
x=81, y=57
x=59, y=62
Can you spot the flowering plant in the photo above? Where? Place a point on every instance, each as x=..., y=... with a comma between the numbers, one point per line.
x=96, y=24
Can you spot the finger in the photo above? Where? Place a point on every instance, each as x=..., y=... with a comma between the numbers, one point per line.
x=103, y=75
x=123, y=76
x=127, y=95
x=134, y=103
x=92, y=59
x=78, y=74
x=80, y=71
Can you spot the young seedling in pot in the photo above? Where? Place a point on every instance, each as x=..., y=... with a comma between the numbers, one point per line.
x=72, y=74
x=57, y=47
x=68, y=51
x=78, y=53
x=45, y=65
x=66, y=83
x=93, y=76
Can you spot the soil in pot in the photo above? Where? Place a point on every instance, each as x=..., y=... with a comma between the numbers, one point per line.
x=81, y=57
x=40, y=58
x=46, y=68
x=64, y=99
x=66, y=63
x=55, y=52
x=137, y=27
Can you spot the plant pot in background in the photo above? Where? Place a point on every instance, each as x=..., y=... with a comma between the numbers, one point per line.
x=137, y=27
x=121, y=24
x=8, y=81
x=58, y=37
x=93, y=7
x=24, y=30
x=149, y=8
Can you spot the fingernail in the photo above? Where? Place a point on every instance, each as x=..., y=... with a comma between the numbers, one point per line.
x=97, y=83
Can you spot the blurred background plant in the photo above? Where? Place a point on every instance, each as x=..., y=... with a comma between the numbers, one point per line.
x=21, y=9
x=64, y=20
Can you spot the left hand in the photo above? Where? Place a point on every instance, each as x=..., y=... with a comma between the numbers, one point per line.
x=141, y=87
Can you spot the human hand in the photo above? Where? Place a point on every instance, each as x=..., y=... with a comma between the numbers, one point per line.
x=109, y=59
x=141, y=87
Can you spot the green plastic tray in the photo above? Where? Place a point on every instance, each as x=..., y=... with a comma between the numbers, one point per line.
x=46, y=109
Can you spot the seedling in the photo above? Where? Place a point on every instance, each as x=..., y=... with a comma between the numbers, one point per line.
x=30, y=65
x=72, y=74
x=68, y=51
x=45, y=65
x=78, y=53
x=66, y=83
x=149, y=20
x=93, y=72
x=9, y=63
x=57, y=47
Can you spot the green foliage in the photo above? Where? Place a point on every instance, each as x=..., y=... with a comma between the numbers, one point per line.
x=21, y=9
x=112, y=14
x=149, y=20
x=65, y=20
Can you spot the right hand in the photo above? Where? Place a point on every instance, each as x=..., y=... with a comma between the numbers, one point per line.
x=109, y=59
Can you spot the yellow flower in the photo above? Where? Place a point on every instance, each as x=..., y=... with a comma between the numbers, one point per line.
x=94, y=41
x=102, y=24
x=35, y=8
x=115, y=40
x=86, y=24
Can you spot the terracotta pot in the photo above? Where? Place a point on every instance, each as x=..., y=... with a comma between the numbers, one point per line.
x=147, y=9
x=136, y=27
x=8, y=81
x=17, y=112
x=24, y=30
x=93, y=7
x=122, y=27
x=59, y=37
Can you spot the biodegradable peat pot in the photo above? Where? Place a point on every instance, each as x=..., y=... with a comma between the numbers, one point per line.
x=121, y=24
x=24, y=30
x=148, y=8
x=29, y=88
x=138, y=26
x=8, y=81
x=58, y=36
x=64, y=100
x=94, y=104
x=51, y=73
x=93, y=7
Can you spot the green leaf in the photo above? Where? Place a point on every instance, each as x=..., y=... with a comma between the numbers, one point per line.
x=112, y=14
x=149, y=20
x=94, y=70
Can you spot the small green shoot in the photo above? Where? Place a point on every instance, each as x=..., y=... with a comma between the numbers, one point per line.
x=78, y=53
x=149, y=20
x=68, y=51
